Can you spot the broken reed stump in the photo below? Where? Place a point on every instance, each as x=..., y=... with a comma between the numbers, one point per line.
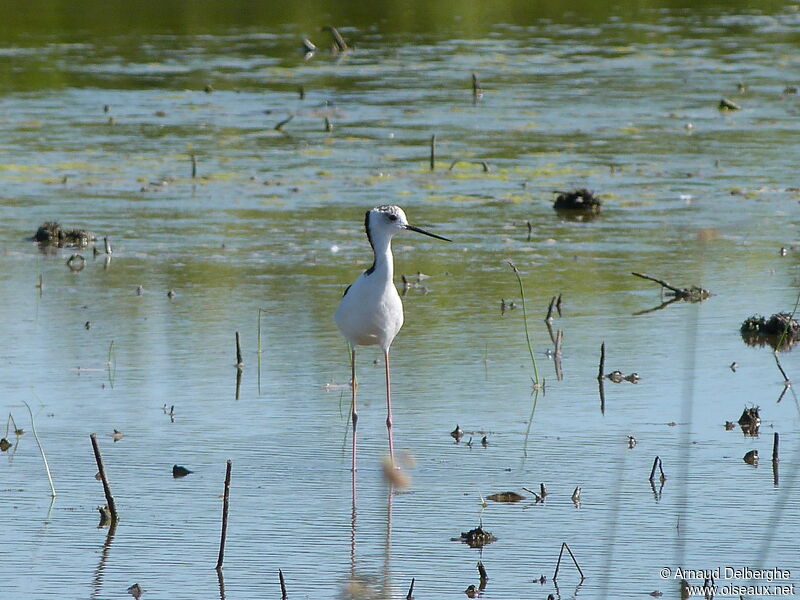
x=477, y=91
x=279, y=126
x=225, y=498
x=341, y=45
x=284, y=596
x=657, y=463
x=410, y=594
x=600, y=375
x=112, y=507
x=691, y=294
x=549, y=317
x=433, y=152
x=775, y=460
x=239, y=361
x=482, y=574
x=194, y=164
x=558, y=564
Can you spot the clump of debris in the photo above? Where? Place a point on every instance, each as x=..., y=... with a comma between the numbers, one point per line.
x=476, y=538
x=580, y=201
x=750, y=421
x=51, y=233
x=778, y=331
x=690, y=294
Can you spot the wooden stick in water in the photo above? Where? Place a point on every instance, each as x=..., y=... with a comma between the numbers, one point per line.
x=775, y=460
x=477, y=92
x=661, y=282
x=657, y=463
x=225, y=498
x=239, y=362
x=337, y=37
x=284, y=596
x=112, y=507
x=602, y=361
x=549, y=316
x=558, y=564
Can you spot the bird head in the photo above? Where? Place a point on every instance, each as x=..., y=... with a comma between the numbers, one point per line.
x=389, y=220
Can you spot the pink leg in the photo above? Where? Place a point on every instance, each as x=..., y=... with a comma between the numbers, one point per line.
x=354, y=385
x=389, y=406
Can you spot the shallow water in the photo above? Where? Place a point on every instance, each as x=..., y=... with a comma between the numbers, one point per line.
x=273, y=220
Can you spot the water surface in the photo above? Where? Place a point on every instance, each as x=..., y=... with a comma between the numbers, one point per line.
x=621, y=100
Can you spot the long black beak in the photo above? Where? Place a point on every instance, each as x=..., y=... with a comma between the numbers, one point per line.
x=433, y=235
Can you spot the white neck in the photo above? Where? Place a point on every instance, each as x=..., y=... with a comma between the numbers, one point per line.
x=384, y=262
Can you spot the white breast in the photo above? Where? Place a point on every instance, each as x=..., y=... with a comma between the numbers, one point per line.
x=370, y=312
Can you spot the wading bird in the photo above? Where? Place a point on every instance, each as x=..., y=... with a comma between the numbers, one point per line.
x=370, y=312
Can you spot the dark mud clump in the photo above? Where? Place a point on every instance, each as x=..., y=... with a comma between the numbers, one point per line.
x=505, y=497
x=179, y=471
x=780, y=330
x=477, y=538
x=51, y=233
x=577, y=202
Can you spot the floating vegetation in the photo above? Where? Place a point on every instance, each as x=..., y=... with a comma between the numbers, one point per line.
x=50, y=233
x=476, y=538
x=505, y=497
x=580, y=203
x=726, y=104
x=780, y=331
x=690, y=294
x=750, y=421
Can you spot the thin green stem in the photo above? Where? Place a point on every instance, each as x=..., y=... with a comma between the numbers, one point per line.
x=260, y=310
x=525, y=321
x=788, y=323
x=530, y=424
x=111, y=365
x=44, y=458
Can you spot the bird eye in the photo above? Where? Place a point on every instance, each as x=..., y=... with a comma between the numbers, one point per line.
x=392, y=217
